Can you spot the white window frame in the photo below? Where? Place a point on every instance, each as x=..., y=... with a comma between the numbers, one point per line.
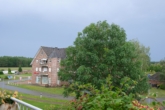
x=36, y=68
x=40, y=69
x=49, y=69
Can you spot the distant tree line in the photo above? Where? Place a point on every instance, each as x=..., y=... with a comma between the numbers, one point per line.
x=157, y=66
x=9, y=61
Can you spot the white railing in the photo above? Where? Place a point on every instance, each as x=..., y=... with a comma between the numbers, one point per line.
x=24, y=106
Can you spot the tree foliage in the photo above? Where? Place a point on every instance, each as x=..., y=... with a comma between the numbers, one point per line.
x=143, y=54
x=162, y=74
x=156, y=67
x=9, y=70
x=8, y=61
x=99, y=50
x=162, y=63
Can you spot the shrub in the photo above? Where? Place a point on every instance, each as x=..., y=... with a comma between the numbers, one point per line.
x=1, y=72
x=6, y=77
x=162, y=86
x=5, y=97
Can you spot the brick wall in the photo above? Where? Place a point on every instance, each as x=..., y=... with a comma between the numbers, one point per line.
x=36, y=64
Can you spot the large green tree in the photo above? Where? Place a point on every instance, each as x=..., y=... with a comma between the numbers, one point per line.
x=99, y=50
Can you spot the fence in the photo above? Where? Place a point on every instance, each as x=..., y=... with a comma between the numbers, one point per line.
x=24, y=106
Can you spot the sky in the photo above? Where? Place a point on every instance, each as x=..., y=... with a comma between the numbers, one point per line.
x=25, y=25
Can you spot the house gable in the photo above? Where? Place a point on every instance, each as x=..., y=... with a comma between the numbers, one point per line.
x=39, y=52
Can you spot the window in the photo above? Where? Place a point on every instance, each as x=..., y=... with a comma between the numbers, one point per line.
x=40, y=69
x=43, y=61
x=45, y=69
x=36, y=61
x=36, y=69
x=44, y=79
x=49, y=69
x=57, y=69
x=58, y=82
x=49, y=81
x=38, y=79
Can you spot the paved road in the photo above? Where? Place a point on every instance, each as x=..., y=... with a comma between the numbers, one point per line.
x=36, y=93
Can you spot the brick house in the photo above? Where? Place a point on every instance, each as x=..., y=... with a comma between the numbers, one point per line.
x=45, y=66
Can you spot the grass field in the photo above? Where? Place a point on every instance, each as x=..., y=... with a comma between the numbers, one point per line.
x=15, y=68
x=159, y=92
x=57, y=90
x=51, y=90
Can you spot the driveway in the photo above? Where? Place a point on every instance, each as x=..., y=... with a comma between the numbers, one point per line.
x=3, y=85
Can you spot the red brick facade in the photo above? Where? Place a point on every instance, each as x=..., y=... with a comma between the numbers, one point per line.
x=45, y=69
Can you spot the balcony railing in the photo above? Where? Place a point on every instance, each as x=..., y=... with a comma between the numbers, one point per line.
x=24, y=106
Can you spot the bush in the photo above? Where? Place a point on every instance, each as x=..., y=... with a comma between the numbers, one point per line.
x=1, y=72
x=5, y=77
x=162, y=86
x=5, y=97
x=107, y=99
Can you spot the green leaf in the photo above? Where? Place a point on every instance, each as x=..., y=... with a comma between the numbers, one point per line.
x=109, y=108
x=154, y=103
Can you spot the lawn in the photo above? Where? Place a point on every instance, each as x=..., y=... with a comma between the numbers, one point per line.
x=51, y=90
x=159, y=92
x=26, y=74
x=57, y=90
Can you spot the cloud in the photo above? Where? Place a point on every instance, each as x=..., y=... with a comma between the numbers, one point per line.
x=33, y=19
x=85, y=10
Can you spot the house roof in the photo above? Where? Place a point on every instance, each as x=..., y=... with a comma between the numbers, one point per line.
x=155, y=76
x=54, y=52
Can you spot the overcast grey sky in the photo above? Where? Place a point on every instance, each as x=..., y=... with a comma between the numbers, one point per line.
x=25, y=25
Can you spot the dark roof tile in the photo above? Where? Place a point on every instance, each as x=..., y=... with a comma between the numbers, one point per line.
x=54, y=52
